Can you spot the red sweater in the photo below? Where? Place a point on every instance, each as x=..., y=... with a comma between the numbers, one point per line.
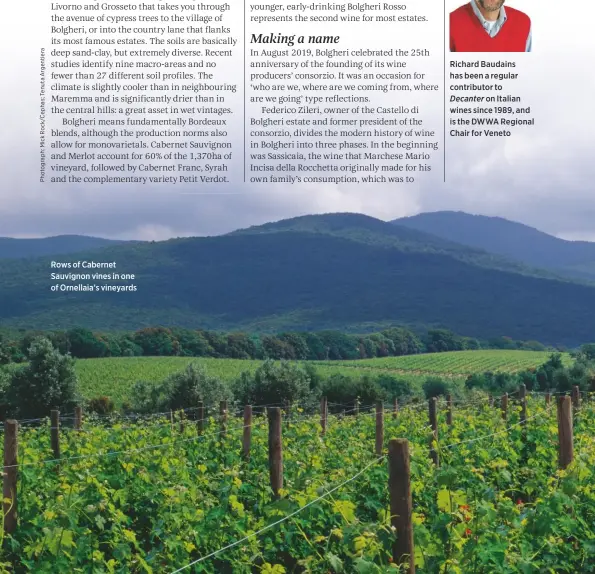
x=468, y=35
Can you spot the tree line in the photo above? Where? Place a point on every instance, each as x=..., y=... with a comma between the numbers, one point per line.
x=48, y=380
x=292, y=346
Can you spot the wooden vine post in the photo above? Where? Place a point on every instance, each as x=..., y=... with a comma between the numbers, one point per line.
x=565, y=432
x=275, y=451
x=200, y=413
x=379, y=443
x=9, y=483
x=223, y=418
x=78, y=418
x=182, y=417
x=449, y=410
x=548, y=398
x=504, y=406
x=576, y=397
x=55, y=432
x=523, y=397
x=356, y=407
x=247, y=434
x=490, y=400
x=433, y=408
x=323, y=414
x=401, y=506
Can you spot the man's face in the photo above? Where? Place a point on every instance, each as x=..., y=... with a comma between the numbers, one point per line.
x=491, y=5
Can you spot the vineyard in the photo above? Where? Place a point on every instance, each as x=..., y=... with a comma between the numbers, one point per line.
x=492, y=491
x=114, y=377
x=459, y=362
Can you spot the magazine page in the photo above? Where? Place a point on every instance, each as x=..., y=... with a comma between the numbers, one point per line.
x=297, y=287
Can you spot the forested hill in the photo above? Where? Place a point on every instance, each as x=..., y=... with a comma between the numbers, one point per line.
x=506, y=238
x=339, y=271
x=372, y=231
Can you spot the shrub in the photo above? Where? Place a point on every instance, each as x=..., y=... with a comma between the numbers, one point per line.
x=562, y=380
x=101, y=405
x=477, y=381
x=274, y=383
x=147, y=397
x=498, y=383
x=315, y=379
x=48, y=381
x=395, y=388
x=580, y=375
x=528, y=379
x=178, y=391
x=343, y=391
x=435, y=387
x=4, y=386
x=193, y=384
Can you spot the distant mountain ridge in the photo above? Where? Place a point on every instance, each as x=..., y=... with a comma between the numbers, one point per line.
x=515, y=241
x=11, y=248
x=369, y=230
x=338, y=271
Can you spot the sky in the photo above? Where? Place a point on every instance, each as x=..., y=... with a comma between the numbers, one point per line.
x=542, y=176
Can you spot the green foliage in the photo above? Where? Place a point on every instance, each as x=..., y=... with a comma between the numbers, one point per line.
x=435, y=387
x=114, y=377
x=84, y=344
x=187, y=388
x=192, y=343
x=157, y=341
x=4, y=394
x=316, y=348
x=396, y=387
x=10, y=351
x=328, y=345
x=554, y=362
x=339, y=346
x=48, y=381
x=443, y=340
x=404, y=341
x=588, y=351
x=241, y=346
x=343, y=391
x=296, y=342
x=496, y=504
x=499, y=383
x=274, y=383
x=101, y=405
x=179, y=390
x=532, y=346
x=314, y=377
x=147, y=397
x=275, y=348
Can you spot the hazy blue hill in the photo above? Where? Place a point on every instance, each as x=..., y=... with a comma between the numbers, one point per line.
x=333, y=271
x=509, y=239
x=59, y=245
x=372, y=231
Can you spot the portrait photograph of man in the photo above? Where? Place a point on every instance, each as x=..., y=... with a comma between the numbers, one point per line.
x=489, y=26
